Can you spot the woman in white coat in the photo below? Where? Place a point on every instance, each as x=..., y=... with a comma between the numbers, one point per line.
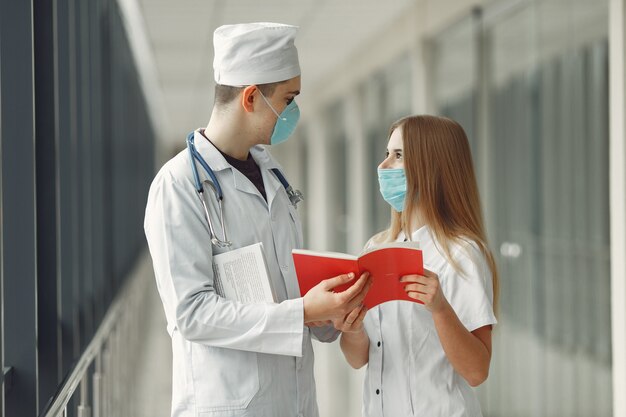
x=423, y=358
x=232, y=358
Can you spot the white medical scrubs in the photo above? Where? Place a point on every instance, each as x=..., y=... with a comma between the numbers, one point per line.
x=408, y=373
x=229, y=358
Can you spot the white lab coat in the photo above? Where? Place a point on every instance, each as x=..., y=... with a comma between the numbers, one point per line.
x=229, y=358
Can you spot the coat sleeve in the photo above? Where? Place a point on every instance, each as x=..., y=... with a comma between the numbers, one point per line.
x=325, y=334
x=181, y=251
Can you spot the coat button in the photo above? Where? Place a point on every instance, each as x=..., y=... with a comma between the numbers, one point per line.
x=378, y=344
x=377, y=391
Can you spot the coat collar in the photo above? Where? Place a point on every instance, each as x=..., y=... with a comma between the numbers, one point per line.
x=266, y=162
x=217, y=162
x=209, y=152
x=262, y=157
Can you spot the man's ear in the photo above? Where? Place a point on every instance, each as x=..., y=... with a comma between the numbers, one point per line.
x=247, y=98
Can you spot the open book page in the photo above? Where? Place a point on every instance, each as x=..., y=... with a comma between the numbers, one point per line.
x=386, y=264
x=313, y=267
x=241, y=275
x=407, y=244
x=322, y=254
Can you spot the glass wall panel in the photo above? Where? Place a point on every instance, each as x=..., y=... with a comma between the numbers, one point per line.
x=455, y=57
x=397, y=89
x=544, y=65
x=385, y=98
x=303, y=167
x=93, y=143
x=338, y=186
x=373, y=102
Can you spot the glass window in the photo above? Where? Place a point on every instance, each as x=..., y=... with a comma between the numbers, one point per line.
x=303, y=158
x=544, y=67
x=386, y=97
x=455, y=56
x=93, y=151
x=543, y=136
x=373, y=99
x=337, y=187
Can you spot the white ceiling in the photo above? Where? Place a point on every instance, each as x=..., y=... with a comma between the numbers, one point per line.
x=180, y=36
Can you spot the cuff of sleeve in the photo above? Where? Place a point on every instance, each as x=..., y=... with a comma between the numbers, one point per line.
x=326, y=334
x=288, y=328
x=477, y=324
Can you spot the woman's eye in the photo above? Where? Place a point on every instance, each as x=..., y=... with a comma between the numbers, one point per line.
x=398, y=156
x=386, y=155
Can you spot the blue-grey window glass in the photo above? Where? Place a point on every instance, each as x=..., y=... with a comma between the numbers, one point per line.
x=338, y=187
x=542, y=89
x=85, y=124
x=372, y=97
x=385, y=97
x=455, y=59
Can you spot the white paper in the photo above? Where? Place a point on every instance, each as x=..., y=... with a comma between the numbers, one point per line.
x=347, y=256
x=241, y=275
x=336, y=255
x=407, y=244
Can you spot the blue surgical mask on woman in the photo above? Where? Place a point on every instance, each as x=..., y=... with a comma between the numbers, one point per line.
x=393, y=187
x=286, y=122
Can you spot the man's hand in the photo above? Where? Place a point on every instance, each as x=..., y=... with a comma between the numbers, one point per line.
x=321, y=303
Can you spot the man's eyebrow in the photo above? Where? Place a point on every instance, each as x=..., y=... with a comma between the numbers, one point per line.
x=295, y=93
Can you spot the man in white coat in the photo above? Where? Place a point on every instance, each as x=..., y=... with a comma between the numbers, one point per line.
x=232, y=358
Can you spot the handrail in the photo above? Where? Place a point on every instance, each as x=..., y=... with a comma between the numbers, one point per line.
x=104, y=343
x=63, y=397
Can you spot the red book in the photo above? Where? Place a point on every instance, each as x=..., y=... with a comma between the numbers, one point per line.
x=386, y=264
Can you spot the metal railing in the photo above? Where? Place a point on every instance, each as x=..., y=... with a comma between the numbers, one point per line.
x=112, y=352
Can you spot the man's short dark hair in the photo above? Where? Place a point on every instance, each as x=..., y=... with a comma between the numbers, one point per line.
x=225, y=94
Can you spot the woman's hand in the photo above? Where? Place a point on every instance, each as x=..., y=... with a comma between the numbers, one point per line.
x=354, y=341
x=426, y=289
x=352, y=322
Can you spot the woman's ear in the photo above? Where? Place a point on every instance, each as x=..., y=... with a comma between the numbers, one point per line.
x=247, y=98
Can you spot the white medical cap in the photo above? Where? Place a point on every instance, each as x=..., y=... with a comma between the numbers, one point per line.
x=255, y=53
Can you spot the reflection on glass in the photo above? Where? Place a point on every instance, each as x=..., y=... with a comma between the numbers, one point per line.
x=336, y=154
x=546, y=67
x=386, y=98
x=455, y=58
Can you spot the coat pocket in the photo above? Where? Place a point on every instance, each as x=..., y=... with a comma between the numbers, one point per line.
x=223, y=379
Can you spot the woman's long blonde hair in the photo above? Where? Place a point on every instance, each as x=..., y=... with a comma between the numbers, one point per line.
x=441, y=187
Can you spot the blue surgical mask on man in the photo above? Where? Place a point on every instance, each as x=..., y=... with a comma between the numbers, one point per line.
x=393, y=187
x=286, y=122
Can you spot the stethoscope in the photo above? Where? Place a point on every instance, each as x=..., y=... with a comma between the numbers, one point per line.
x=295, y=196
